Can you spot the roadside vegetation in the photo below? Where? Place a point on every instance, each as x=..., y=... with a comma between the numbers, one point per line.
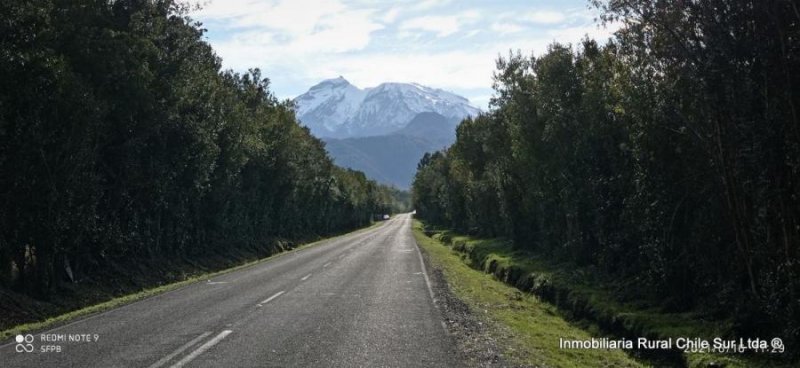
x=527, y=328
x=665, y=161
x=128, y=158
x=589, y=300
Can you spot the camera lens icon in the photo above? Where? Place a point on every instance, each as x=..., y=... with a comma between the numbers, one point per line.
x=24, y=343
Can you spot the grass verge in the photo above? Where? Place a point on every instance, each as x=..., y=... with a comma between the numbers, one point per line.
x=149, y=292
x=528, y=328
x=579, y=295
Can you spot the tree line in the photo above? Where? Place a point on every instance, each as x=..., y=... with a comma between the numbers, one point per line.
x=122, y=140
x=668, y=157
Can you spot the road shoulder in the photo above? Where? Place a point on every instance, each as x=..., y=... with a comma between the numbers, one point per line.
x=495, y=325
x=475, y=344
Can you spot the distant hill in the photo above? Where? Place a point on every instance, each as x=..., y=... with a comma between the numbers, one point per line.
x=392, y=158
x=435, y=128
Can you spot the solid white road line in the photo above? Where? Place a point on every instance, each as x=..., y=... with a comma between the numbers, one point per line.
x=189, y=344
x=267, y=300
x=425, y=275
x=202, y=349
x=305, y=277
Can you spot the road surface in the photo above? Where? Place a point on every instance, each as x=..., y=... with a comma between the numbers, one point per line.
x=360, y=300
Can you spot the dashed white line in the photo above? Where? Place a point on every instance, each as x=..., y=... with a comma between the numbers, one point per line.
x=189, y=344
x=267, y=300
x=305, y=277
x=326, y=265
x=202, y=349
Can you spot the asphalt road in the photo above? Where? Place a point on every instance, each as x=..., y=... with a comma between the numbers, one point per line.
x=360, y=300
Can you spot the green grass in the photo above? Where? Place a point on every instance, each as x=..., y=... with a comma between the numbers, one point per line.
x=528, y=328
x=583, y=296
x=130, y=298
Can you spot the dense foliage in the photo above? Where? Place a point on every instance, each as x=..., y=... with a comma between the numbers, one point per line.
x=121, y=139
x=668, y=157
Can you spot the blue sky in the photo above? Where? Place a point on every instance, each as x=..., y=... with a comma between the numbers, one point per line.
x=445, y=44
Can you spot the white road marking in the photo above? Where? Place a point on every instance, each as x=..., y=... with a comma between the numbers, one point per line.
x=425, y=275
x=202, y=349
x=216, y=282
x=305, y=277
x=326, y=265
x=359, y=236
x=189, y=344
x=267, y=300
x=428, y=281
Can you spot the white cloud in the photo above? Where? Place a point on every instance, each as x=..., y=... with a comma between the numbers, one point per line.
x=544, y=17
x=293, y=25
x=409, y=35
x=455, y=69
x=300, y=42
x=429, y=4
x=506, y=27
x=442, y=25
x=292, y=16
x=472, y=33
x=390, y=15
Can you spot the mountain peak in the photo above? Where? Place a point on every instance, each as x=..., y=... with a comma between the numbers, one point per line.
x=336, y=108
x=332, y=82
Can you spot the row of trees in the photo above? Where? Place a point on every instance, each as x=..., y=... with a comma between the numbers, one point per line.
x=669, y=156
x=121, y=139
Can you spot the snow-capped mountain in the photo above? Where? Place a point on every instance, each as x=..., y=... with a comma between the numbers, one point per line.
x=329, y=105
x=336, y=108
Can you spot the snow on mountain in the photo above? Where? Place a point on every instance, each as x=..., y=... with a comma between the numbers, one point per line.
x=328, y=105
x=336, y=108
